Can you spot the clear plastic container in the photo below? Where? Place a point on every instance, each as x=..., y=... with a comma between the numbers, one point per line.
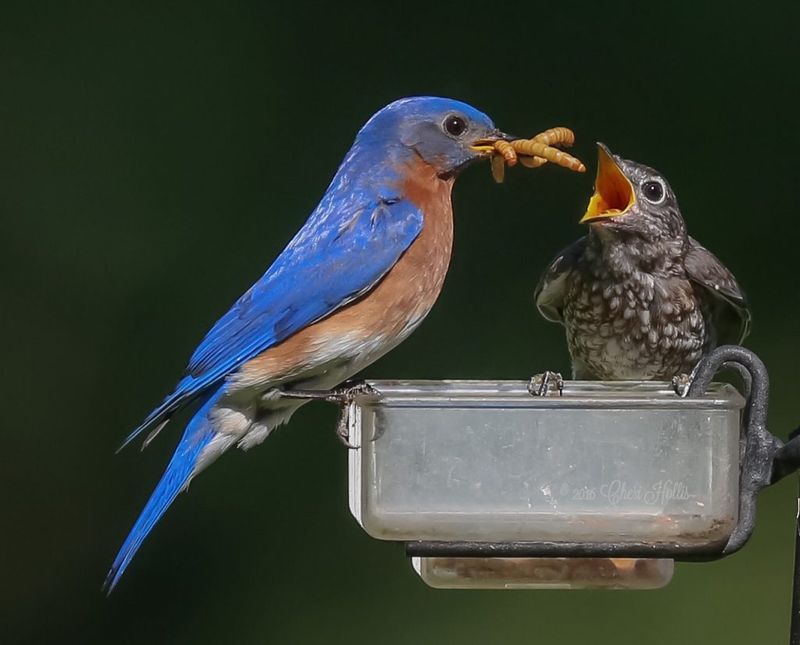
x=544, y=573
x=486, y=461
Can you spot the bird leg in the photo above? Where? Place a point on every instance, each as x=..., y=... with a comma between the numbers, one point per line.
x=539, y=385
x=343, y=396
x=344, y=393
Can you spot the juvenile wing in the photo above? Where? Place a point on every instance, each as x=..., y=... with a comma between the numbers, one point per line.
x=730, y=312
x=550, y=291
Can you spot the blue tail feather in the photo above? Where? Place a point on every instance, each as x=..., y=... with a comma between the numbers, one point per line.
x=197, y=435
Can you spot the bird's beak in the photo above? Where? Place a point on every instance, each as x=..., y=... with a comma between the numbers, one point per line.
x=485, y=146
x=613, y=191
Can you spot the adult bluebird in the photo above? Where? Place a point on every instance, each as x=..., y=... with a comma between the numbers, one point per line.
x=360, y=276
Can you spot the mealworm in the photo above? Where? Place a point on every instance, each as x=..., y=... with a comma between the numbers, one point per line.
x=559, y=135
x=499, y=167
x=538, y=149
x=532, y=162
x=535, y=152
x=507, y=150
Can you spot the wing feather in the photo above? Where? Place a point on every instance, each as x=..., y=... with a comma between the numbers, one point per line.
x=334, y=259
x=550, y=291
x=731, y=316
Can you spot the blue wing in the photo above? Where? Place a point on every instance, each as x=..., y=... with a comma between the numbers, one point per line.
x=341, y=252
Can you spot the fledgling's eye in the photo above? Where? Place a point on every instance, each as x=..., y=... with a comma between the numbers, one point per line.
x=454, y=125
x=653, y=191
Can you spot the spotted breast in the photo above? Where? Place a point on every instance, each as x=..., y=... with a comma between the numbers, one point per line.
x=638, y=326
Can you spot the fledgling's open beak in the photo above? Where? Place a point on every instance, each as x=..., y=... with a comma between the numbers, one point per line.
x=485, y=146
x=613, y=191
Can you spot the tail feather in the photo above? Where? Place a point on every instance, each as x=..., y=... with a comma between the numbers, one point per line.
x=160, y=415
x=185, y=392
x=154, y=432
x=198, y=434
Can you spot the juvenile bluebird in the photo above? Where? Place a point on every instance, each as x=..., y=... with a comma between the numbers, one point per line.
x=356, y=280
x=639, y=298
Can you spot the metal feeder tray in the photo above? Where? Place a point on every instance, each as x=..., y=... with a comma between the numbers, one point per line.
x=470, y=472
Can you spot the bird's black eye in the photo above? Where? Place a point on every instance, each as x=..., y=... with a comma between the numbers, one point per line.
x=454, y=125
x=653, y=191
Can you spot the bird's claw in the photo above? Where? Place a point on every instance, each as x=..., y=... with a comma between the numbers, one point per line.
x=681, y=384
x=343, y=396
x=347, y=392
x=539, y=385
x=343, y=427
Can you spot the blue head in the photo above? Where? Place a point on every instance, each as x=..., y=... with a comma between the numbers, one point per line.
x=444, y=133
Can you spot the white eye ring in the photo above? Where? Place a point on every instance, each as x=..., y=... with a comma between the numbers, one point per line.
x=654, y=191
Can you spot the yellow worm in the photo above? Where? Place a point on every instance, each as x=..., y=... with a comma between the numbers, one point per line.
x=532, y=162
x=507, y=150
x=499, y=167
x=554, y=155
x=535, y=152
x=560, y=135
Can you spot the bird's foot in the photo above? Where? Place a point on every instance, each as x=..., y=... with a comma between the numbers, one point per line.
x=343, y=396
x=343, y=427
x=681, y=384
x=540, y=384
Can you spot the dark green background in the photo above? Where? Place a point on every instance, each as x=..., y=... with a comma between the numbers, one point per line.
x=155, y=159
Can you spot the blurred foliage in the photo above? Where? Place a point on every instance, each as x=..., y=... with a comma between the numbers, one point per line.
x=154, y=159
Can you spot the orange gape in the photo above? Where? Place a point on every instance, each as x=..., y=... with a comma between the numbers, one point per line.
x=536, y=151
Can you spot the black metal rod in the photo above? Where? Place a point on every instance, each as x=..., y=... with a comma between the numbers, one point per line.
x=787, y=459
x=681, y=552
x=794, y=630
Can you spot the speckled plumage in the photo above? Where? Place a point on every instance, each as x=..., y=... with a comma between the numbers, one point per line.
x=639, y=298
x=626, y=323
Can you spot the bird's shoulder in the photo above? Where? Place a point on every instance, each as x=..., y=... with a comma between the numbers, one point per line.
x=551, y=290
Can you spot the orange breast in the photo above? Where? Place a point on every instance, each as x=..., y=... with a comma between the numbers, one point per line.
x=392, y=309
